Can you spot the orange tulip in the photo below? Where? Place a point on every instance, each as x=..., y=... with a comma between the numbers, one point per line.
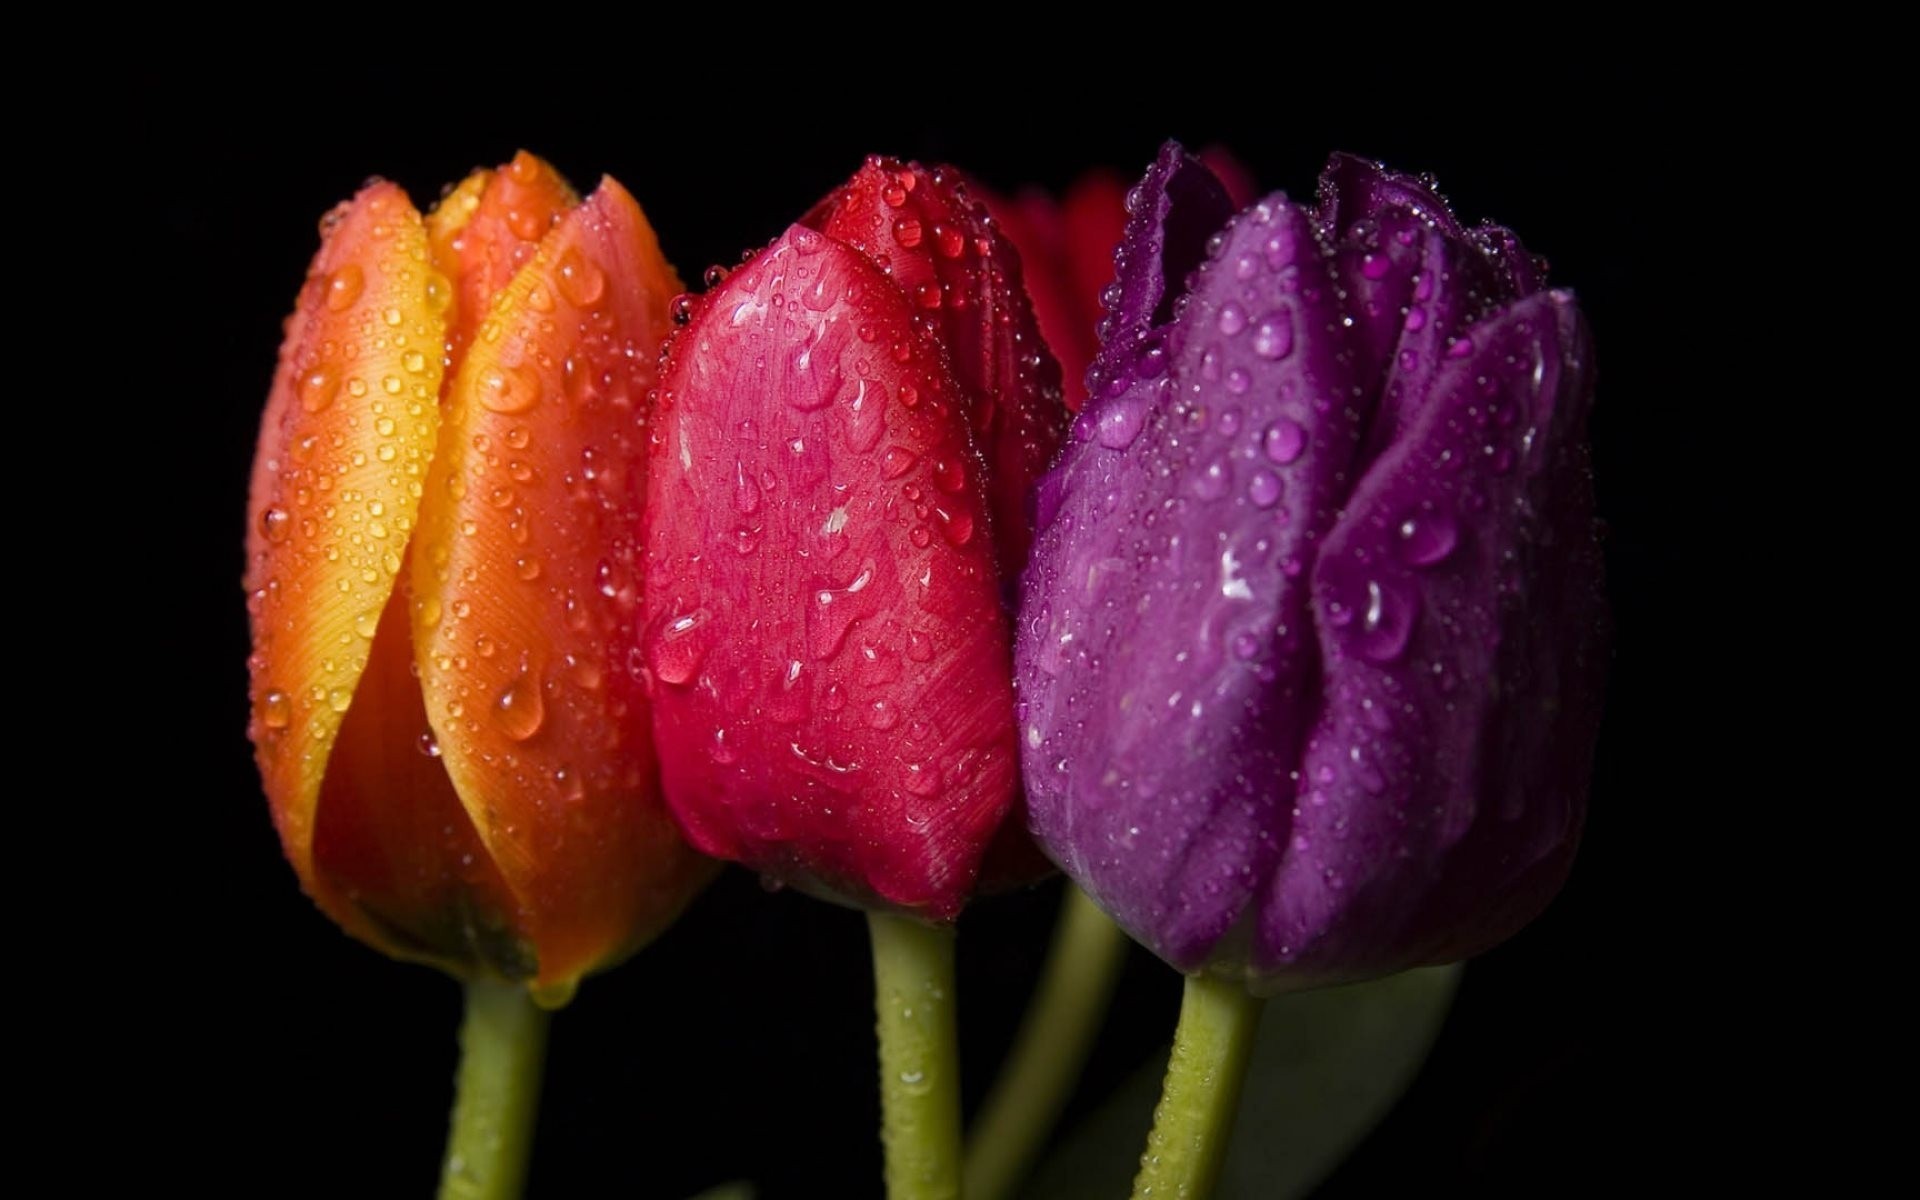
x=443, y=550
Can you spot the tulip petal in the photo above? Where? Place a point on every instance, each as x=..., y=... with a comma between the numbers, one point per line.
x=486, y=231
x=527, y=578
x=347, y=438
x=943, y=251
x=1066, y=251
x=831, y=705
x=1171, y=213
x=390, y=833
x=1444, y=777
x=1172, y=655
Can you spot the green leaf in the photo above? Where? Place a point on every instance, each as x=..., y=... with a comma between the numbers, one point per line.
x=1327, y=1066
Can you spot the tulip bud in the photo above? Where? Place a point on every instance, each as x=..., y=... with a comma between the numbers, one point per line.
x=1311, y=647
x=847, y=431
x=442, y=553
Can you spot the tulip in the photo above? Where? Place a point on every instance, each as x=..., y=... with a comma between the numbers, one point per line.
x=443, y=579
x=1310, y=653
x=847, y=431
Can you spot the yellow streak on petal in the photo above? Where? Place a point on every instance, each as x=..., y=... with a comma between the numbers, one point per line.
x=345, y=445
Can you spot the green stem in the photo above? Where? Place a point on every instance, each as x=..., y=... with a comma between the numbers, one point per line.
x=1197, y=1102
x=1048, y=1052
x=919, y=1057
x=503, y=1045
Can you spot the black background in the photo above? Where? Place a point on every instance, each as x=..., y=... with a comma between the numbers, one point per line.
x=294, y=1062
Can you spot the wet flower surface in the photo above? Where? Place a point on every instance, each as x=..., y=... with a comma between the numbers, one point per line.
x=1310, y=649
x=442, y=538
x=847, y=434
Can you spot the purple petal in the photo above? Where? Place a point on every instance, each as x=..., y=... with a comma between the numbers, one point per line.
x=1164, y=659
x=1459, y=617
x=1171, y=213
x=1354, y=189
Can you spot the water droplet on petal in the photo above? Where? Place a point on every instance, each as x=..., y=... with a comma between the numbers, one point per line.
x=1263, y=489
x=1285, y=440
x=1386, y=624
x=1427, y=538
x=508, y=391
x=680, y=646
x=581, y=281
x=520, y=710
x=344, y=287
x=276, y=523
x=1273, y=336
x=1120, y=422
x=318, y=388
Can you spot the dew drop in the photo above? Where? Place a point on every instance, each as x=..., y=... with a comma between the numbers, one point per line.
x=680, y=646
x=344, y=287
x=1213, y=481
x=1273, y=336
x=520, y=710
x=508, y=391
x=1120, y=422
x=949, y=475
x=276, y=710
x=318, y=387
x=1263, y=489
x=746, y=493
x=956, y=525
x=1387, y=623
x=1428, y=538
x=1285, y=440
x=897, y=461
x=581, y=280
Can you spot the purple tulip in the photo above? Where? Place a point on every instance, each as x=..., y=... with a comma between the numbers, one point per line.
x=1311, y=645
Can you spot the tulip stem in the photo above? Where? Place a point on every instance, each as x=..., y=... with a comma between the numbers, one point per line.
x=1048, y=1052
x=503, y=1045
x=913, y=998
x=1202, y=1091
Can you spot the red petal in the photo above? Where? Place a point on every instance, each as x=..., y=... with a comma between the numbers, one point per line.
x=1233, y=175
x=527, y=581
x=1066, y=250
x=964, y=280
x=833, y=700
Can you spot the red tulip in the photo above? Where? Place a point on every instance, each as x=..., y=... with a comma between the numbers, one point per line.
x=847, y=432
x=442, y=548
x=1067, y=245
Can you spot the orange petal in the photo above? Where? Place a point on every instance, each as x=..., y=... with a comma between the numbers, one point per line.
x=492, y=224
x=449, y=220
x=349, y=432
x=390, y=833
x=527, y=579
